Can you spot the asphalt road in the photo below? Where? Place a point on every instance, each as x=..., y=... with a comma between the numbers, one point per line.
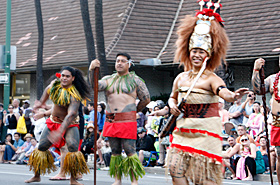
x=11, y=174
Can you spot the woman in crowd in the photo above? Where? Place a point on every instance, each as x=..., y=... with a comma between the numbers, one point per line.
x=11, y=119
x=246, y=166
x=101, y=108
x=2, y=146
x=88, y=142
x=256, y=120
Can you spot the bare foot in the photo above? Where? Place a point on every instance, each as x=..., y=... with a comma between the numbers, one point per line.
x=117, y=182
x=59, y=176
x=73, y=181
x=33, y=179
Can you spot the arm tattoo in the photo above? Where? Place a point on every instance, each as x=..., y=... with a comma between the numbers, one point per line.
x=102, y=85
x=71, y=115
x=142, y=94
x=256, y=82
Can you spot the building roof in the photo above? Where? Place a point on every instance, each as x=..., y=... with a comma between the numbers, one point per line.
x=144, y=29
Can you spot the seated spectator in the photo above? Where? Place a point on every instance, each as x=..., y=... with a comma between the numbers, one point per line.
x=34, y=145
x=10, y=148
x=155, y=123
x=88, y=142
x=246, y=166
x=144, y=144
x=255, y=122
x=106, y=152
x=231, y=162
x=263, y=149
x=19, y=155
x=8, y=139
x=241, y=130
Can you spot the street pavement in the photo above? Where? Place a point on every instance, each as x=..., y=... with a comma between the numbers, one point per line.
x=11, y=174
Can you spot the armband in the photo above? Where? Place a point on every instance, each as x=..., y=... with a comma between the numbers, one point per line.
x=220, y=88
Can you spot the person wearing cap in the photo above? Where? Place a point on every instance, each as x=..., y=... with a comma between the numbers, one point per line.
x=88, y=141
x=196, y=138
x=20, y=153
x=144, y=144
x=27, y=111
x=121, y=89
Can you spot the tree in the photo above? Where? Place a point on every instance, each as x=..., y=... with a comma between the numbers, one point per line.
x=100, y=38
x=39, y=71
x=88, y=31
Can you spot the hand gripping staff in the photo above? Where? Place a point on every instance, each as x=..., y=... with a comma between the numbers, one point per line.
x=171, y=123
x=262, y=76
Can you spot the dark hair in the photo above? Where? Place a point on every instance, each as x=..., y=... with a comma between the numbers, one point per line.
x=103, y=109
x=17, y=134
x=91, y=104
x=33, y=138
x=1, y=105
x=9, y=135
x=86, y=111
x=258, y=104
x=88, y=134
x=79, y=81
x=124, y=54
x=242, y=126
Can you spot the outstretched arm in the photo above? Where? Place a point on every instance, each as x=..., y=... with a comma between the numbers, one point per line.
x=142, y=93
x=43, y=99
x=256, y=81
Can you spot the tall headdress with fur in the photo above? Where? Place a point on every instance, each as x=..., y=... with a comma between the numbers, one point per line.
x=204, y=31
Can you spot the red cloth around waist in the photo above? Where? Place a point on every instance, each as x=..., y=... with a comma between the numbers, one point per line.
x=125, y=130
x=275, y=136
x=55, y=126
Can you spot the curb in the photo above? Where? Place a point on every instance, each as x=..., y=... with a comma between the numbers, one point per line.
x=258, y=177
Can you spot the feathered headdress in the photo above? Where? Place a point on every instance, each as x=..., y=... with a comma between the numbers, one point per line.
x=202, y=31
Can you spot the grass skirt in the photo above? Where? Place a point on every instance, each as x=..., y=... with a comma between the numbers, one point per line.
x=128, y=166
x=75, y=164
x=41, y=162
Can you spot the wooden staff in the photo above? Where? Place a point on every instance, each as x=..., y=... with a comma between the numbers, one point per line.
x=95, y=90
x=262, y=77
x=171, y=123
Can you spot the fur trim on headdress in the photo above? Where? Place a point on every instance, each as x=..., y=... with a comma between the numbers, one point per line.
x=219, y=37
x=41, y=162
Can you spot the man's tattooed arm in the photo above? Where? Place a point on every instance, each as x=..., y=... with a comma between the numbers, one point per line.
x=142, y=94
x=256, y=83
x=71, y=115
x=102, y=85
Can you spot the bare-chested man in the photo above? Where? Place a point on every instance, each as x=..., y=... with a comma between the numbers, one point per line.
x=271, y=86
x=66, y=92
x=122, y=89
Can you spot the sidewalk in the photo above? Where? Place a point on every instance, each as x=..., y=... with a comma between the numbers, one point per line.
x=259, y=177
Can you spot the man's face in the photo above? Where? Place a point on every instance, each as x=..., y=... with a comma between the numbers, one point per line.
x=122, y=65
x=251, y=95
x=66, y=78
x=241, y=131
x=15, y=103
x=16, y=137
x=142, y=134
x=90, y=108
x=262, y=142
x=231, y=141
